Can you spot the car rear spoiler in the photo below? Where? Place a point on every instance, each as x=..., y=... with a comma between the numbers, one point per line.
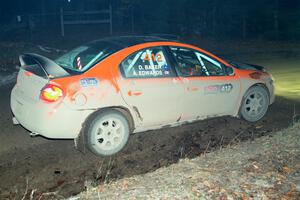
x=41, y=66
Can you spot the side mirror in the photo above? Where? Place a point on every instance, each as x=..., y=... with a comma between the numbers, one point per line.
x=229, y=71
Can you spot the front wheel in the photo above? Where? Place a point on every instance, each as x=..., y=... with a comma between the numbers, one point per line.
x=107, y=132
x=255, y=104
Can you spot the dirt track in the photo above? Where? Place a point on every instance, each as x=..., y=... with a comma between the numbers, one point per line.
x=55, y=166
x=42, y=166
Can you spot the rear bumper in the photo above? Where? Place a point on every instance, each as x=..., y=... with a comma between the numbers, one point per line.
x=54, y=120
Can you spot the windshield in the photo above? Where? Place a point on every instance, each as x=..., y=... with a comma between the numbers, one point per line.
x=86, y=56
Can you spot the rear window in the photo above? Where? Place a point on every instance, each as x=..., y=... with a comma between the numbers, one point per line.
x=86, y=56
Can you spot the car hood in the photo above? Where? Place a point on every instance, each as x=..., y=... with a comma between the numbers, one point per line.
x=246, y=66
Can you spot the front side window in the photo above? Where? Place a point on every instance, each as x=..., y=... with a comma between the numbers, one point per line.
x=193, y=63
x=212, y=67
x=187, y=62
x=147, y=63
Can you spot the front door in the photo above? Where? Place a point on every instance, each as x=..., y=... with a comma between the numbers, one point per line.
x=209, y=91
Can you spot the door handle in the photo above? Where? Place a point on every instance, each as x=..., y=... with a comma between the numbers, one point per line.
x=134, y=93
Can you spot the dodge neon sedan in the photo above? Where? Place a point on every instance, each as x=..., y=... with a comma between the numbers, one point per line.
x=107, y=89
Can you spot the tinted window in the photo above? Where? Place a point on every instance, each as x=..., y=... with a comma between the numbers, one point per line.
x=212, y=67
x=86, y=56
x=193, y=63
x=187, y=62
x=150, y=62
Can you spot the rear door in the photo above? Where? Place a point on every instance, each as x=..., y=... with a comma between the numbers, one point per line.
x=150, y=87
x=209, y=91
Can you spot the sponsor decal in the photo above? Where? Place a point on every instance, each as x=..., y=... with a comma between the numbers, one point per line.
x=157, y=57
x=166, y=69
x=86, y=82
x=150, y=67
x=215, y=89
x=148, y=73
x=152, y=70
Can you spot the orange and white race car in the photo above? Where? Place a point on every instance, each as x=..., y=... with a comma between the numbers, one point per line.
x=104, y=90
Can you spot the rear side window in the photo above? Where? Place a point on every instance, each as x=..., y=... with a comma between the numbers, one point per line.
x=86, y=56
x=147, y=63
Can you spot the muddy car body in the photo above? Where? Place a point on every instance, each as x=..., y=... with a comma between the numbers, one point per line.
x=109, y=88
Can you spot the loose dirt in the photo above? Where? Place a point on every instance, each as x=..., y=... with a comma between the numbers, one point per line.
x=45, y=169
x=265, y=168
x=37, y=166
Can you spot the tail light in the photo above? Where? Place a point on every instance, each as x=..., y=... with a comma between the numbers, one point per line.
x=51, y=93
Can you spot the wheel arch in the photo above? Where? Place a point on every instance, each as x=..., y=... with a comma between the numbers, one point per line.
x=121, y=109
x=82, y=142
x=261, y=85
x=251, y=86
x=79, y=141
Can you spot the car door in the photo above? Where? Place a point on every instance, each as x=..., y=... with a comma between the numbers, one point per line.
x=149, y=85
x=209, y=91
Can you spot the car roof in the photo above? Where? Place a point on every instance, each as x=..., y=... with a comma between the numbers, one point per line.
x=121, y=42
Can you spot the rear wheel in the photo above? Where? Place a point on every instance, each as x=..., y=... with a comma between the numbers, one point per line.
x=107, y=132
x=255, y=104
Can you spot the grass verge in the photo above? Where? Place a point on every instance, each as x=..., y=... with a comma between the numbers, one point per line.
x=265, y=168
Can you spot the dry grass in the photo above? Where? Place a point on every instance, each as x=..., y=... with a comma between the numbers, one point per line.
x=266, y=168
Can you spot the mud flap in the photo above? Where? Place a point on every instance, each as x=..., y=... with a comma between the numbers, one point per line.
x=15, y=121
x=79, y=143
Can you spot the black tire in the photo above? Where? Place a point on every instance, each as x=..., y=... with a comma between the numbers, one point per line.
x=255, y=104
x=106, y=132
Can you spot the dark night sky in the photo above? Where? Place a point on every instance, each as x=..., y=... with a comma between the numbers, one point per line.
x=227, y=18
x=13, y=7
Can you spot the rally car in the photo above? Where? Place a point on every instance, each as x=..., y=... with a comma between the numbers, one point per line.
x=107, y=89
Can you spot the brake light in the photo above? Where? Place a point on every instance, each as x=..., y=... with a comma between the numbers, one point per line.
x=51, y=93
